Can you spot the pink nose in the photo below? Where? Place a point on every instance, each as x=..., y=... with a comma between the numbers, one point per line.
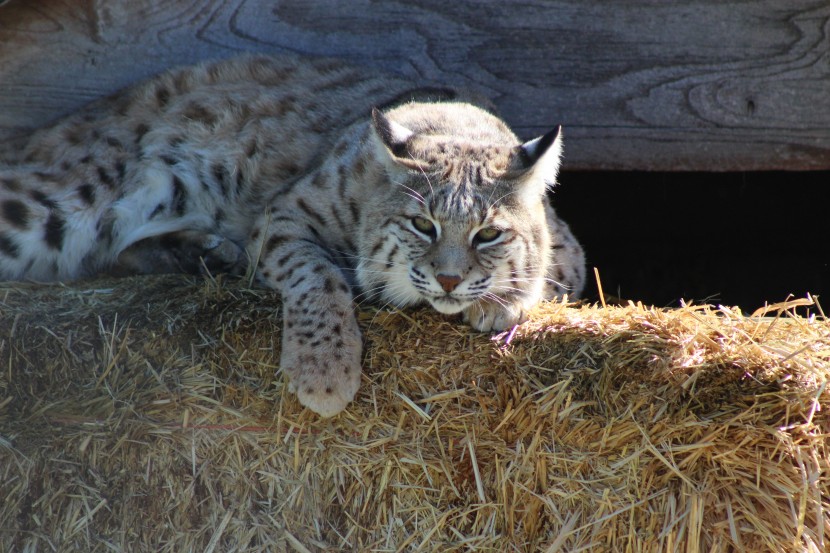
x=448, y=282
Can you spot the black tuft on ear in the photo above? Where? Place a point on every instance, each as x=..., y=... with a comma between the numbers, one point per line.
x=532, y=151
x=393, y=136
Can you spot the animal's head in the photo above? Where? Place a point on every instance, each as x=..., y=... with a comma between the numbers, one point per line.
x=465, y=220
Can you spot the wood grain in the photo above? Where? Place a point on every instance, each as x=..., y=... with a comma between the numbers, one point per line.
x=710, y=85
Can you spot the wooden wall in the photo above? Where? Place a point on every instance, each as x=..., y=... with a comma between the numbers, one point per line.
x=649, y=84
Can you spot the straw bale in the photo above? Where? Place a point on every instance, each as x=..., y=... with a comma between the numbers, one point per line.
x=149, y=414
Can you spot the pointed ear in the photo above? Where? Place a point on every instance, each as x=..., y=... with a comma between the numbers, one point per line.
x=535, y=165
x=391, y=141
x=542, y=153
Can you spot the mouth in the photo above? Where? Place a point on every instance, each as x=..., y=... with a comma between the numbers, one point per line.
x=447, y=305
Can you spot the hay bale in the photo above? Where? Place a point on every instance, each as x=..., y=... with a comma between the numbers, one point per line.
x=144, y=415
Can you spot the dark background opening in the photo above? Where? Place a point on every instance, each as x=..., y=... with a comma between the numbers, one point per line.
x=742, y=239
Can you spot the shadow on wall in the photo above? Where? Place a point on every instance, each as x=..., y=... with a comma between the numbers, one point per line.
x=723, y=238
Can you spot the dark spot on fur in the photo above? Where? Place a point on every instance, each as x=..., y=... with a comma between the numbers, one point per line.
x=87, y=193
x=284, y=259
x=179, y=195
x=43, y=199
x=105, y=177
x=313, y=231
x=9, y=247
x=140, y=130
x=220, y=173
x=354, y=209
x=289, y=168
x=275, y=240
x=54, y=231
x=114, y=142
x=169, y=160
x=10, y=184
x=159, y=209
x=319, y=181
x=359, y=167
x=197, y=112
x=310, y=212
x=43, y=175
x=377, y=247
x=329, y=285
x=16, y=213
x=252, y=148
x=162, y=96
x=74, y=136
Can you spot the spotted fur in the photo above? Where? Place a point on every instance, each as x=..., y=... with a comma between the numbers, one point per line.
x=282, y=164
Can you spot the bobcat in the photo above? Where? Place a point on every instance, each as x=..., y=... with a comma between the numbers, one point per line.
x=334, y=184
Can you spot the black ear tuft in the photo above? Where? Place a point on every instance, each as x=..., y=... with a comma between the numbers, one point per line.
x=393, y=136
x=531, y=151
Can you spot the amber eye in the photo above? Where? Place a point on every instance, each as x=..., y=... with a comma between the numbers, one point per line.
x=487, y=234
x=424, y=225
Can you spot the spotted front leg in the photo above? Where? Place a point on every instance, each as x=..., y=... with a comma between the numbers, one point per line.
x=321, y=347
x=321, y=342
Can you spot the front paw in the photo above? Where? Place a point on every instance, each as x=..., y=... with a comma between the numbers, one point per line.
x=324, y=369
x=491, y=316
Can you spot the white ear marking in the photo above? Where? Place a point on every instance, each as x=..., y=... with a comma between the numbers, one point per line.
x=391, y=140
x=393, y=135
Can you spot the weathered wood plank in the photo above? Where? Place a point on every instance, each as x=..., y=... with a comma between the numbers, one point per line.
x=657, y=85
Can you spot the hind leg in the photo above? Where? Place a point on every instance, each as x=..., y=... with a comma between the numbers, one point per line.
x=186, y=251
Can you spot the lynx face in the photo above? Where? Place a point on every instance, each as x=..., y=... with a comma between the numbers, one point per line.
x=469, y=227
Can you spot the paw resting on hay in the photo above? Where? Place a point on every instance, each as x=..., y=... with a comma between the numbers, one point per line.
x=145, y=414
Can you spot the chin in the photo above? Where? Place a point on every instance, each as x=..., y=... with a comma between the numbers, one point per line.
x=448, y=307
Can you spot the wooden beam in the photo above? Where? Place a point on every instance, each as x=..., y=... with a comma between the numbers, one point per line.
x=711, y=85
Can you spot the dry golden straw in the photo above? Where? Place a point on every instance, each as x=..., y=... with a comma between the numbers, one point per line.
x=144, y=414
